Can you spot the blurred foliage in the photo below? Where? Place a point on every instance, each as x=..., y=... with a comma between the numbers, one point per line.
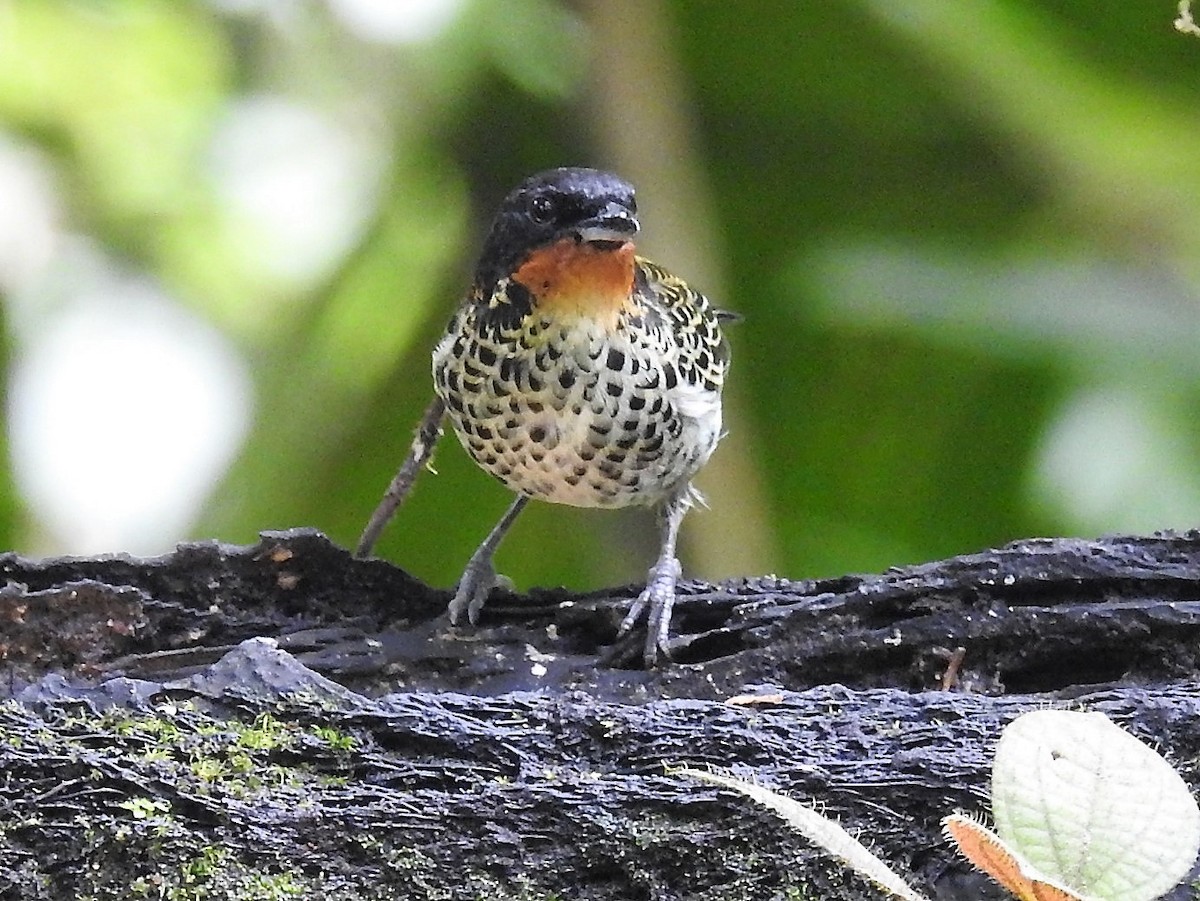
x=964, y=238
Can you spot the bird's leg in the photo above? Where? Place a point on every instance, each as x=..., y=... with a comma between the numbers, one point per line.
x=419, y=453
x=480, y=575
x=659, y=595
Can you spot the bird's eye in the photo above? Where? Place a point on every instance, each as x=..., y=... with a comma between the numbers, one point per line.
x=541, y=208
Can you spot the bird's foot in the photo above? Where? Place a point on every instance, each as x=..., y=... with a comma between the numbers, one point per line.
x=659, y=597
x=477, y=582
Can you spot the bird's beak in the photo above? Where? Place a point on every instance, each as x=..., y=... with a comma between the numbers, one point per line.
x=614, y=223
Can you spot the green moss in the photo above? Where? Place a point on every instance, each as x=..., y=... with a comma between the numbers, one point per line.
x=183, y=799
x=146, y=808
x=215, y=874
x=337, y=740
x=240, y=759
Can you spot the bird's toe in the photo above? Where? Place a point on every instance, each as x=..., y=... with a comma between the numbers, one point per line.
x=472, y=593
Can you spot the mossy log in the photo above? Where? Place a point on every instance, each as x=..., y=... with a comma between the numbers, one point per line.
x=282, y=720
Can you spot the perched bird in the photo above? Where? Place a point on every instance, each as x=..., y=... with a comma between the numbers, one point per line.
x=576, y=372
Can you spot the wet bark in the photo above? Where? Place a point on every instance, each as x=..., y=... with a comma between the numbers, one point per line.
x=228, y=722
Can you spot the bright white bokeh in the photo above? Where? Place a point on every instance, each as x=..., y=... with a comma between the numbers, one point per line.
x=1115, y=458
x=124, y=411
x=378, y=21
x=302, y=184
x=29, y=216
x=396, y=21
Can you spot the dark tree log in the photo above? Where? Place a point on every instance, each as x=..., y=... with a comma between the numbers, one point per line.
x=284, y=721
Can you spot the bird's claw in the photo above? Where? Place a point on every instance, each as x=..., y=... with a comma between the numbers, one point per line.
x=476, y=584
x=659, y=598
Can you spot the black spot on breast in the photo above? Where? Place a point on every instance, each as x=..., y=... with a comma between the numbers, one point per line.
x=535, y=384
x=614, y=389
x=486, y=356
x=484, y=432
x=508, y=369
x=657, y=406
x=627, y=442
x=455, y=403
x=537, y=434
x=566, y=378
x=507, y=316
x=637, y=401
x=671, y=376
x=616, y=360
x=535, y=406
x=615, y=456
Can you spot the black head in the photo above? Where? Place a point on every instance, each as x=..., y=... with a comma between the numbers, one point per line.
x=584, y=204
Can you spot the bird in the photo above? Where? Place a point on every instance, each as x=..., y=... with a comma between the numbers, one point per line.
x=576, y=372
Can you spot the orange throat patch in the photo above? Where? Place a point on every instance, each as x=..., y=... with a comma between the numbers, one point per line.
x=580, y=279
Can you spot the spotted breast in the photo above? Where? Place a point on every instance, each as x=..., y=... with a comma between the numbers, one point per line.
x=592, y=403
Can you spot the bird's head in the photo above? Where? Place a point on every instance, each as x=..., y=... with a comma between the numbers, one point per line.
x=564, y=234
x=583, y=205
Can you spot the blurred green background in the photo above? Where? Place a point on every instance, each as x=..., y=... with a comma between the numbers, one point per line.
x=965, y=238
